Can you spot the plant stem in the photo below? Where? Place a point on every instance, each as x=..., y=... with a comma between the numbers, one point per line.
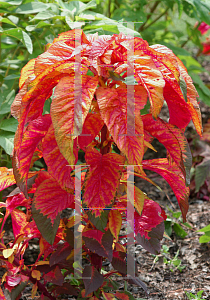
x=149, y=15
x=109, y=8
x=156, y=19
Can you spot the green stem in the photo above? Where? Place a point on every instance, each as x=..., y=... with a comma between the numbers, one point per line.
x=149, y=15
x=109, y=8
x=156, y=19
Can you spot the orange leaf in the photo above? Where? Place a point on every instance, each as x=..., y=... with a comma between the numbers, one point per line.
x=36, y=274
x=122, y=296
x=70, y=106
x=6, y=178
x=108, y=296
x=103, y=178
x=26, y=72
x=115, y=222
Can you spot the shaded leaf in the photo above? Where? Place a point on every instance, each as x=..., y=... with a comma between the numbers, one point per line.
x=202, y=172
x=55, y=276
x=44, y=224
x=153, y=244
x=92, y=279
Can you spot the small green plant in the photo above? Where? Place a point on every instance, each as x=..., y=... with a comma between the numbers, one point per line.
x=197, y=297
x=175, y=223
x=174, y=263
x=206, y=237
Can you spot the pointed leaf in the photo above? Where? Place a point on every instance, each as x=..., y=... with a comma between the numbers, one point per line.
x=150, y=218
x=202, y=172
x=174, y=141
x=103, y=178
x=55, y=276
x=92, y=279
x=115, y=223
x=57, y=165
x=174, y=178
x=70, y=106
x=35, y=131
x=44, y=224
x=91, y=127
x=113, y=109
x=51, y=199
x=19, y=221
x=100, y=243
x=153, y=244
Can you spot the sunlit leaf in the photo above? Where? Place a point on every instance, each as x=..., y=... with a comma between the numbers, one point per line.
x=70, y=106
x=115, y=222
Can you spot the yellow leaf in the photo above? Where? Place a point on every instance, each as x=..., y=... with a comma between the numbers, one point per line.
x=36, y=274
x=7, y=252
x=115, y=222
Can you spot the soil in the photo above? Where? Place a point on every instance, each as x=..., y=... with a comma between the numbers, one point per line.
x=163, y=280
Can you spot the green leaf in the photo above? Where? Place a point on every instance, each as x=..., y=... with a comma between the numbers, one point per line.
x=205, y=238
x=7, y=21
x=41, y=24
x=168, y=227
x=7, y=3
x=179, y=230
x=43, y=223
x=12, y=76
x=22, y=36
x=7, y=141
x=196, y=78
x=183, y=87
x=202, y=172
x=6, y=102
x=9, y=125
x=43, y=15
x=99, y=222
x=31, y=8
x=204, y=229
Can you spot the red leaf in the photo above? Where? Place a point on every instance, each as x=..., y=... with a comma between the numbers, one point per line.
x=174, y=178
x=150, y=218
x=92, y=279
x=122, y=296
x=70, y=106
x=171, y=137
x=13, y=280
x=19, y=221
x=91, y=127
x=57, y=165
x=33, y=134
x=51, y=199
x=103, y=178
x=55, y=276
x=6, y=178
x=113, y=109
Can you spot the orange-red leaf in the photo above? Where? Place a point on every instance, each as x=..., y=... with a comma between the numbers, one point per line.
x=19, y=221
x=33, y=134
x=115, y=222
x=175, y=179
x=91, y=127
x=57, y=165
x=171, y=137
x=6, y=178
x=103, y=178
x=51, y=199
x=113, y=109
x=27, y=71
x=70, y=106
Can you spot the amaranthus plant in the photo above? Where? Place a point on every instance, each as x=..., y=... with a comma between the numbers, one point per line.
x=99, y=88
